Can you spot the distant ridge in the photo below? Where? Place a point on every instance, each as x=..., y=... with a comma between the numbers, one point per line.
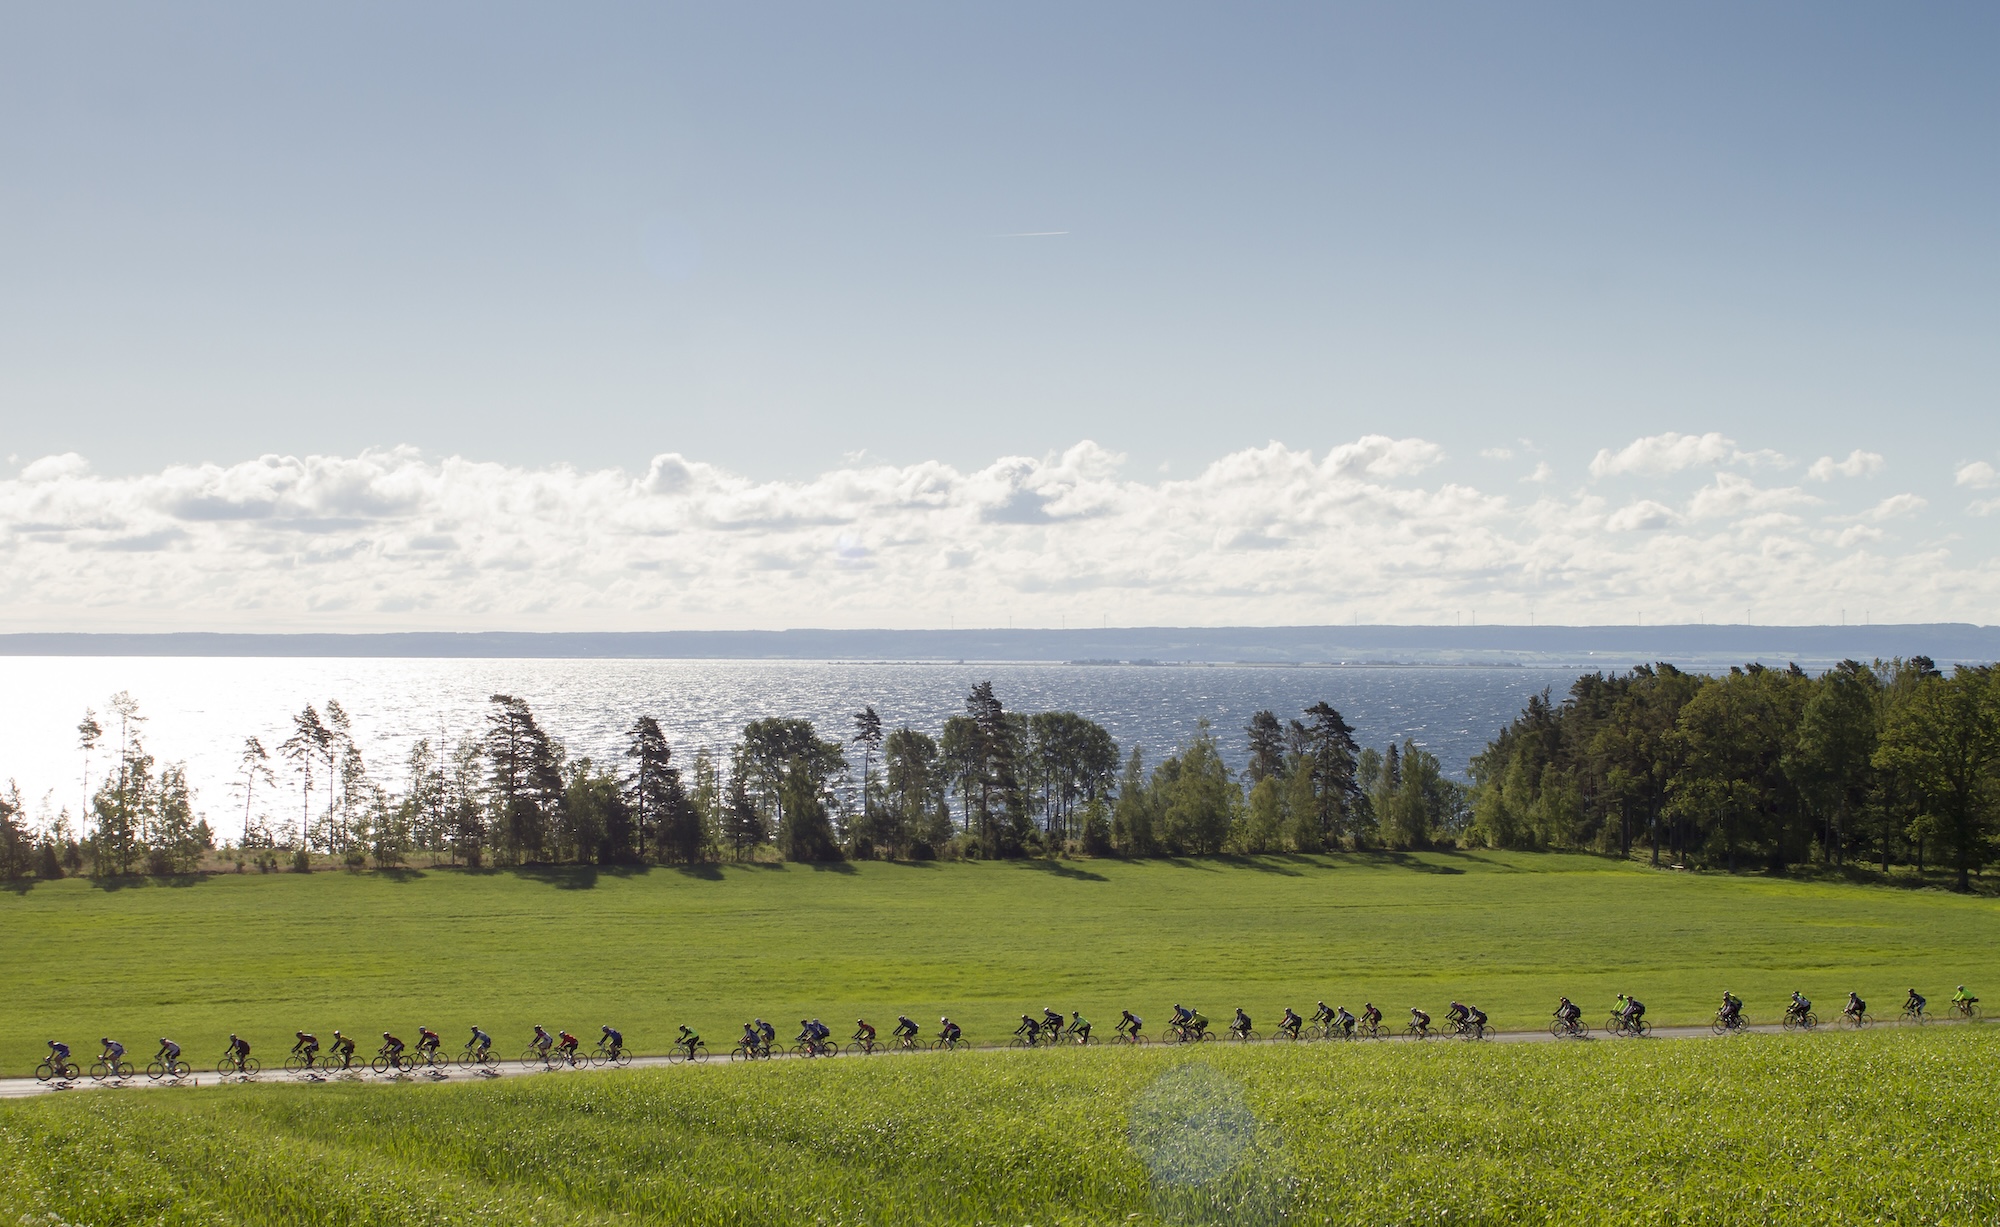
x=1594, y=646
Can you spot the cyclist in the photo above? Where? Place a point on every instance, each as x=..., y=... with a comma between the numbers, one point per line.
x=543, y=1041
x=1914, y=1003
x=1421, y=1021
x=1181, y=1015
x=948, y=1031
x=480, y=1043
x=169, y=1052
x=821, y=1032
x=906, y=1029
x=1963, y=1001
x=688, y=1040
x=1855, y=1007
x=1568, y=1011
x=750, y=1041
x=1799, y=1006
x=113, y=1053
x=769, y=1032
x=1052, y=1021
x=864, y=1033
x=1130, y=1023
x=1323, y=1015
x=1618, y=1010
x=1475, y=1018
x=612, y=1038
x=1635, y=1010
x=1371, y=1015
x=808, y=1034
x=1079, y=1027
x=1030, y=1029
x=1291, y=1023
x=568, y=1043
x=344, y=1045
x=393, y=1049
x=1240, y=1025
x=305, y=1044
x=239, y=1050
x=1455, y=1013
x=1197, y=1023
x=1344, y=1020
x=58, y=1052
x=1732, y=1008
x=427, y=1041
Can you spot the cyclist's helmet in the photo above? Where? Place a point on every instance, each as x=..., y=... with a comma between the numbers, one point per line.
x=944, y=1020
x=232, y=1035
x=1961, y=988
x=336, y=1035
x=299, y=1034
x=385, y=1035
x=107, y=1040
x=860, y=1022
x=1076, y=1013
x=606, y=1028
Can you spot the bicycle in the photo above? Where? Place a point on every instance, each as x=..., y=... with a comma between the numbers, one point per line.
x=1621, y=1027
x=1854, y=1019
x=60, y=1071
x=605, y=1054
x=686, y=1052
x=535, y=1055
x=1564, y=1027
x=815, y=1048
x=952, y=1044
x=750, y=1050
x=303, y=1062
x=1367, y=1030
x=1800, y=1020
x=101, y=1069
x=1968, y=1010
x=1182, y=1033
x=1417, y=1031
x=173, y=1072
x=1244, y=1036
x=1026, y=1039
x=866, y=1045
x=242, y=1067
x=1468, y=1030
x=1725, y=1023
x=475, y=1057
x=1079, y=1038
x=910, y=1043
x=1914, y=1016
x=392, y=1062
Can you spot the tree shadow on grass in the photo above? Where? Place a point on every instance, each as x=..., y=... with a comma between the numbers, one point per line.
x=1061, y=870
x=562, y=877
x=1262, y=864
x=914, y=864
x=19, y=886
x=128, y=881
x=401, y=873
x=1184, y=862
x=830, y=866
x=707, y=871
x=1404, y=860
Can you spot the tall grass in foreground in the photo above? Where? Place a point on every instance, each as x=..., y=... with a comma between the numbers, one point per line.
x=1884, y=1126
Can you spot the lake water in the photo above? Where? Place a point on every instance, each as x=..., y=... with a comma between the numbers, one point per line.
x=199, y=710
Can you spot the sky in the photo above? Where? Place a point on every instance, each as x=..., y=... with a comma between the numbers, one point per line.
x=366, y=317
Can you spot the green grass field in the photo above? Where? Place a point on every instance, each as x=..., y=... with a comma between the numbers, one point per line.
x=268, y=954
x=1884, y=1126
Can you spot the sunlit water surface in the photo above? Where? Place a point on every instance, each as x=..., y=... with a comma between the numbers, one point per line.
x=201, y=710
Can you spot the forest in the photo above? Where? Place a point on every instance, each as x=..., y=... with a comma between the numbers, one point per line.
x=994, y=783
x=1758, y=769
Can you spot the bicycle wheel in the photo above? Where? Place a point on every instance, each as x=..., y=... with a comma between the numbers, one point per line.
x=1245, y=1037
x=1020, y=1041
x=1811, y=1020
x=226, y=1066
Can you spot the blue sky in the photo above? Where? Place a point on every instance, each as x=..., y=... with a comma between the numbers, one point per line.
x=790, y=242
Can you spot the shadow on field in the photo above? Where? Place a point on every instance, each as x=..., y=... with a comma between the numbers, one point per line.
x=1261, y=865
x=707, y=871
x=562, y=877
x=1182, y=862
x=1404, y=860
x=831, y=867
x=401, y=873
x=18, y=886
x=1060, y=870
x=131, y=880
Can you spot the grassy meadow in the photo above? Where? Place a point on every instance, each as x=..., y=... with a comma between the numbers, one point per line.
x=265, y=955
x=1893, y=1125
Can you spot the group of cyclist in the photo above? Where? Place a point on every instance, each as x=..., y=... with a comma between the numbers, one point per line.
x=815, y=1038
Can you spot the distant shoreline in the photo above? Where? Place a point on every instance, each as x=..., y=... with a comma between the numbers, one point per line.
x=1304, y=646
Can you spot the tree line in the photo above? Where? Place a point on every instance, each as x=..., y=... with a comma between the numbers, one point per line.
x=1894, y=762
x=993, y=783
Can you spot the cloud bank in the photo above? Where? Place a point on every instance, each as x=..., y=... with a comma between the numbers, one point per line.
x=1366, y=530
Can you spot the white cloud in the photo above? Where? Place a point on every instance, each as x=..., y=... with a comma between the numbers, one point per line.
x=1897, y=506
x=1497, y=453
x=1857, y=464
x=1542, y=473
x=1978, y=474
x=1671, y=452
x=394, y=539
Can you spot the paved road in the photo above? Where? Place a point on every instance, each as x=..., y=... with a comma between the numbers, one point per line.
x=17, y=1088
